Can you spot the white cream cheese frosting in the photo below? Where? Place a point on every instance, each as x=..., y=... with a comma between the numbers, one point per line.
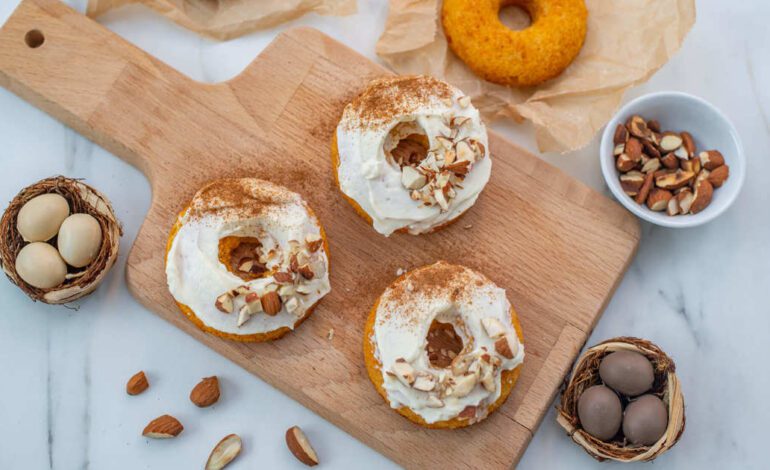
x=286, y=229
x=481, y=315
x=368, y=174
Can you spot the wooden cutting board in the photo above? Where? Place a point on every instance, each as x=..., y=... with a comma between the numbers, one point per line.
x=556, y=246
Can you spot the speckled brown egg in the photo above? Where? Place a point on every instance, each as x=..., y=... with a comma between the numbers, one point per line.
x=600, y=412
x=627, y=372
x=645, y=420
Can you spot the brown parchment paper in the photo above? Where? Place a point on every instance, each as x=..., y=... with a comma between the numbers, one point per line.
x=227, y=19
x=626, y=43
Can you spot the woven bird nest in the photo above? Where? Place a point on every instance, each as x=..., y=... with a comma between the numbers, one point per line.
x=586, y=374
x=82, y=199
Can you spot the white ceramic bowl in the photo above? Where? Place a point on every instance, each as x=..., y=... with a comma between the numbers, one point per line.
x=710, y=129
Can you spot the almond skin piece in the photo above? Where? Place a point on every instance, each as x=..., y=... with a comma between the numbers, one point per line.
x=703, y=193
x=137, y=384
x=650, y=149
x=670, y=161
x=688, y=143
x=674, y=180
x=206, y=393
x=684, y=198
x=621, y=134
x=719, y=175
x=653, y=125
x=224, y=452
x=644, y=191
x=624, y=163
x=711, y=159
x=631, y=182
x=298, y=444
x=634, y=150
x=163, y=427
x=673, y=206
x=468, y=412
x=306, y=272
x=658, y=199
x=692, y=164
x=638, y=127
x=271, y=303
x=283, y=278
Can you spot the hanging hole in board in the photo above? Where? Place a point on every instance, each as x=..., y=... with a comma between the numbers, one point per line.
x=34, y=38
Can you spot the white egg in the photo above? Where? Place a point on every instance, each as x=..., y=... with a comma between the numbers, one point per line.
x=40, y=218
x=40, y=265
x=80, y=238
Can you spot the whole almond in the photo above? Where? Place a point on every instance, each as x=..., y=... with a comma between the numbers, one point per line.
x=206, y=393
x=137, y=384
x=271, y=303
x=163, y=427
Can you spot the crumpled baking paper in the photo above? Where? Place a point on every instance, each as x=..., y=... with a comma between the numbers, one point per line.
x=626, y=43
x=227, y=19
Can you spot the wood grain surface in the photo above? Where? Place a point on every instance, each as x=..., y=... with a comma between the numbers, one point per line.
x=556, y=246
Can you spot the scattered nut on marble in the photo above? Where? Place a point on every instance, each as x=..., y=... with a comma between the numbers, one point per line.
x=40, y=265
x=40, y=218
x=80, y=238
x=224, y=452
x=300, y=447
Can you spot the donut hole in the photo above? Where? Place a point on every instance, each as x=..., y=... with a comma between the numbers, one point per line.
x=240, y=255
x=514, y=16
x=443, y=344
x=406, y=144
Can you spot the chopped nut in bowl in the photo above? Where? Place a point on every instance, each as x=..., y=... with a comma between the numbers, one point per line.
x=672, y=159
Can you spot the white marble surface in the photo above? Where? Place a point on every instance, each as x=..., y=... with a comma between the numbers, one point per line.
x=699, y=293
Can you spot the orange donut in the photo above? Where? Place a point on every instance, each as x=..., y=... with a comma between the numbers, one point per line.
x=247, y=260
x=416, y=290
x=515, y=58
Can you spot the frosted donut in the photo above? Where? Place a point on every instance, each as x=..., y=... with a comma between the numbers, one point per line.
x=247, y=260
x=442, y=346
x=410, y=154
x=516, y=58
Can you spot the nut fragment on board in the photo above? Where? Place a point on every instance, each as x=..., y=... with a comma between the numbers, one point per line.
x=300, y=447
x=163, y=427
x=224, y=452
x=137, y=383
x=206, y=393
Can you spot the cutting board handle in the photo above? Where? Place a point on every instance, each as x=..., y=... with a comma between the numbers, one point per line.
x=107, y=89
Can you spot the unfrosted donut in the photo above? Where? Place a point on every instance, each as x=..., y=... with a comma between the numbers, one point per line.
x=515, y=58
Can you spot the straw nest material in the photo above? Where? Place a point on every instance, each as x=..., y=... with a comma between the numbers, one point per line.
x=82, y=199
x=586, y=374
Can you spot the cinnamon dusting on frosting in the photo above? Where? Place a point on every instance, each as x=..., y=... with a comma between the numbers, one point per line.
x=389, y=97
